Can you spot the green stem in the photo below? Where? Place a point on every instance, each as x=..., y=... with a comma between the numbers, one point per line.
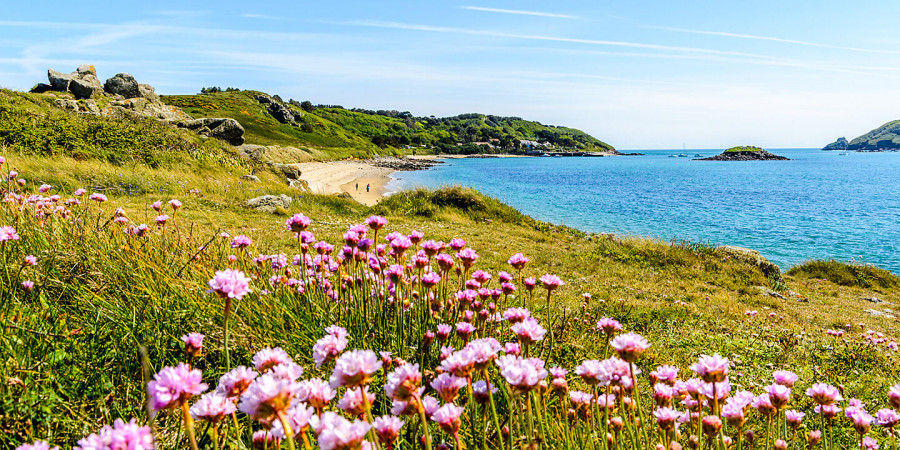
x=227, y=313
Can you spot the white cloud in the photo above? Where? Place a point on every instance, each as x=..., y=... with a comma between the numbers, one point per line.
x=519, y=12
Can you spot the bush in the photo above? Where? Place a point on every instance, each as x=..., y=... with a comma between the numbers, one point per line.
x=847, y=274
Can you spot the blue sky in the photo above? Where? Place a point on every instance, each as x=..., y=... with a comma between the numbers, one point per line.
x=649, y=74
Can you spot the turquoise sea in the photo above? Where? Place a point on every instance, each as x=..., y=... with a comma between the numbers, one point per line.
x=819, y=205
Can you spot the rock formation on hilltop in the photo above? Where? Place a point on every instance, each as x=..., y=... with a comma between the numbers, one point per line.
x=122, y=94
x=840, y=144
x=745, y=153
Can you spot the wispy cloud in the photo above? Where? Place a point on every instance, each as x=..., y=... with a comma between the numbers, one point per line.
x=260, y=16
x=519, y=12
x=775, y=39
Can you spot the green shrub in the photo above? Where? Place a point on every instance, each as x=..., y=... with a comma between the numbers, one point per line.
x=847, y=274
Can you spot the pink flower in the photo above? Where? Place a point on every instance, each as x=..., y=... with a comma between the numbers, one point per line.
x=629, y=346
x=609, y=326
x=328, y=348
x=193, y=343
x=528, y=331
x=512, y=348
x=518, y=261
x=764, y=405
x=404, y=382
x=869, y=444
x=888, y=417
x=580, y=399
x=456, y=244
x=828, y=411
x=862, y=421
x=711, y=368
x=387, y=428
x=99, y=198
x=174, y=385
x=316, y=392
x=157, y=205
x=376, y=222
x=516, y=315
x=780, y=395
x=28, y=285
x=299, y=416
x=447, y=417
x=175, y=204
x=353, y=402
x=236, y=381
x=824, y=394
x=665, y=374
x=733, y=414
x=212, y=407
x=551, y=282
x=241, y=241
x=480, y=391
x=666, y=417
x=894, y=396
x=354, y=368
x=268, y=395
x=431, y=279
x=448, y=386
x=44, y=188
x=121, y=435
x=8, y=234
x=337, y=433
x=460, y=363
x=298, y=223
x=785, y=377
x=162, y=219
x=79, y=192
x=465, y=330
x=794, y=418
x=230, y=283
x=268, y=358
x=467, y=257
x=37, y=445
x=264, y=439
x=483, y=351
x=521, y=374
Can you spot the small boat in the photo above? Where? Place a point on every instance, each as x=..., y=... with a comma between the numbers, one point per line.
x=673, y=156
x=682, y=155
x=698, y=155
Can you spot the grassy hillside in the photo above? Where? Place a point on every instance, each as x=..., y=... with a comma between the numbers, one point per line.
x=885, y=137
x=345, y=132
x=744, y=148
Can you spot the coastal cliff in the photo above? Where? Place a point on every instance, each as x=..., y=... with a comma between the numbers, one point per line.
x=885, y=137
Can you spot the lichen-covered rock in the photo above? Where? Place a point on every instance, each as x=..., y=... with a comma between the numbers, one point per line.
x=58, y=80
x=147, y=91
x=270, y=203
x=86, y=69
x=88, y=86
x=228, y=130
x=289, y=171
x=122, y=84
x=250, y=178
x=40, y=88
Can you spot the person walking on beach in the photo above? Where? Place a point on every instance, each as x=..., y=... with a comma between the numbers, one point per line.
x=367, y=188
x=357, y=186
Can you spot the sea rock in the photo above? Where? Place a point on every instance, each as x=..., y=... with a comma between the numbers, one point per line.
x=122, y=84
x=744, y=154
x=402, y=164
x=250, y=178
x=270, y=203
x=840, y=144
x=228, y=130
x=88, y=86
x=753, y=257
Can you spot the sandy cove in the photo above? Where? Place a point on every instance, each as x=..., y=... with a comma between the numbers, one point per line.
x=352, y=177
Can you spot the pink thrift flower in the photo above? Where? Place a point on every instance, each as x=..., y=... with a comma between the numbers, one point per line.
x=353, y=403
x=464, y=330
x=236, y=381
x=337, y=433
x=780, y=395
x=316, y=392
x=28, y=285
x=193, y=343
x=521, y=374
x=609, y=326
x=44, y=188
x=869, y=444
x=267, y=396
x=518, y=261
x=354, y=368
x=376, y=222
x=457, y=244
x=175, y=204
x=460, y=363
x=403, y=382
x=268, y=358
x=666, y=417
x=785, y=377
x=230, y=283
x=824, y=394
x=512, y=348
x=157, y=205
x=733, y=414
x=467, y=257
x=551, y=282
x=480, y=392
x=241, y=241
x=629, y=346
x=528, y=331
x=264, y=439
x=894, y=396
x=483, y=351
x=8, y=234
x=447, y=386
x=794, y=418
x=172, y=386
x=387, y=428
x=97, y=197
x=162, y=219
x=327, y=348
x=862, y=421
x=887, y=417
x=121, y=435
x=665, y=374
x=298, y=223
x=711, y=369
x=447, y=417
x=212, y=407
x=516, y=315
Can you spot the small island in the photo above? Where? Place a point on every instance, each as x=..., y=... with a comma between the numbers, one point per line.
x=745, y=153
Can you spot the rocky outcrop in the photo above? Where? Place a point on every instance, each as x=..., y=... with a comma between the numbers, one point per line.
x=271, y=203
x=290, y=172
x=402, y=164
x=228, y=130
x=279, y=111
x=745, y=154
x=752, y=257
x=122, y=84
x=840, y=144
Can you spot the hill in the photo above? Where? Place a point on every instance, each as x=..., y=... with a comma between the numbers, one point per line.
x=337, y=130
x=885, y=137
x=840, y=144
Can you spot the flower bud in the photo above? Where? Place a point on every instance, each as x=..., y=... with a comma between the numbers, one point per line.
x=780, y=444
x=617, y=424
x=814, y=437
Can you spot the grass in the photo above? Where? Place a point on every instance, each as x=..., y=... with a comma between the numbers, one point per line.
x=744, y=148
x=847, y=274
x=72, y=345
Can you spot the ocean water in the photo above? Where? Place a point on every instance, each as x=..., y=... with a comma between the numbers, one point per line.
x=819, y=205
